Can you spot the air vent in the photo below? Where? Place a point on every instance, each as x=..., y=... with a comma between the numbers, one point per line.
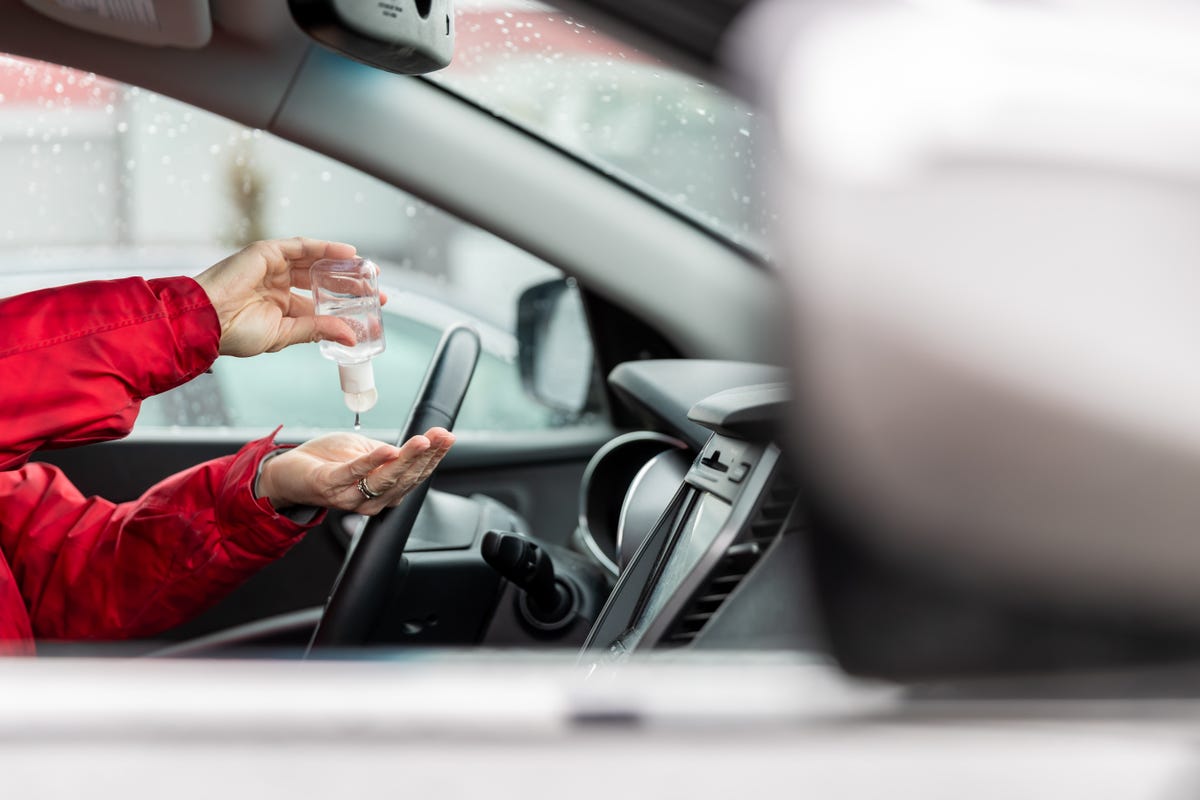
x=750, y=545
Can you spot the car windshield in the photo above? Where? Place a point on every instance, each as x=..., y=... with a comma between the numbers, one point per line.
x=687, y=144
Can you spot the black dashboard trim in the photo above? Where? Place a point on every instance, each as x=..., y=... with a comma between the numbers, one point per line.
x=665, y=390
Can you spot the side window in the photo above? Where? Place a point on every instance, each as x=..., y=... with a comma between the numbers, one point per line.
x=107, y=180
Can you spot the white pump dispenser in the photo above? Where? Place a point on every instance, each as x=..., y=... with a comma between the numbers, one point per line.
x=348, y=288
x=358, y=385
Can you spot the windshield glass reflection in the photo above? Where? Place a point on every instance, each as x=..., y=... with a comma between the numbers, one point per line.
x=688, y=144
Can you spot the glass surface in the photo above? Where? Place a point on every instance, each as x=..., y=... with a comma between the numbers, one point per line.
x=688, y=144
x=105, y=180
x=696, y=536
x=348, y=289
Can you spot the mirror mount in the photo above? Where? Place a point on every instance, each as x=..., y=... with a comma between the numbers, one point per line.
x=409, y=37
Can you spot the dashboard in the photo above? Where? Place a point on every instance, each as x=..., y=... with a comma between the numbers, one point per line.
x=709, y=540
x=690, y=536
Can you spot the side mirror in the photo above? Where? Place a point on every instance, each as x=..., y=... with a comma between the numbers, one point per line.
x=554, y=347
x=411, y=37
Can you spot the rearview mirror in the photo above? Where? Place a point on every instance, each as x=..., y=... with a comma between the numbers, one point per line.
x=554, y=346
x=410, y=37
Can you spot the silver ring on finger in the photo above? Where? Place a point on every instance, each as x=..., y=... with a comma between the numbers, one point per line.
x=366, y=490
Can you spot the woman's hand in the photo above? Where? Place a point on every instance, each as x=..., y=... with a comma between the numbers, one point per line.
x=252, y=293
x=325, y=471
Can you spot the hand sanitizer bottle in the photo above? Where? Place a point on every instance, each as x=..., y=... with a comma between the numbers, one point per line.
x=348, y=288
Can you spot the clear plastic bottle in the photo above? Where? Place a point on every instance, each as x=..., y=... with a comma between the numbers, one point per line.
x=348, y=288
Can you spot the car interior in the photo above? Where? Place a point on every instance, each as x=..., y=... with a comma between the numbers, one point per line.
x=822, y=374
x=667, y=507
x=664, y=521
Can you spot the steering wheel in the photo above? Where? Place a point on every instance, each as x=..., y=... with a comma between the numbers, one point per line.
x=373, y=568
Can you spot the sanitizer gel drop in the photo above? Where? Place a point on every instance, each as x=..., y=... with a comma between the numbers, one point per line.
x=348, y=288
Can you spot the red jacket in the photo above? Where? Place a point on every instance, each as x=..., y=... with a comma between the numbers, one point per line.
x=75, y=364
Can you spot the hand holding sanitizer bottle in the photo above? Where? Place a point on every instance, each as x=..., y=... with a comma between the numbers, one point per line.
x=348, y=288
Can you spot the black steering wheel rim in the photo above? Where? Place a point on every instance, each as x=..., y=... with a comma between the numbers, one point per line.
x=375, y=564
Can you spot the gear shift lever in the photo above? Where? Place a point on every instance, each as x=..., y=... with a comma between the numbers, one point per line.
x=549, y=602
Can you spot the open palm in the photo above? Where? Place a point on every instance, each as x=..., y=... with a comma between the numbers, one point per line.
x=325, y=471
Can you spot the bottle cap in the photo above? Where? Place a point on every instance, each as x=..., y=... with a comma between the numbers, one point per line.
x=358, y=384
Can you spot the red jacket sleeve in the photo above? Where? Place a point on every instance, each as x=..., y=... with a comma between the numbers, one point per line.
x=75, y=364
x=92, y=569
x=77, y=361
